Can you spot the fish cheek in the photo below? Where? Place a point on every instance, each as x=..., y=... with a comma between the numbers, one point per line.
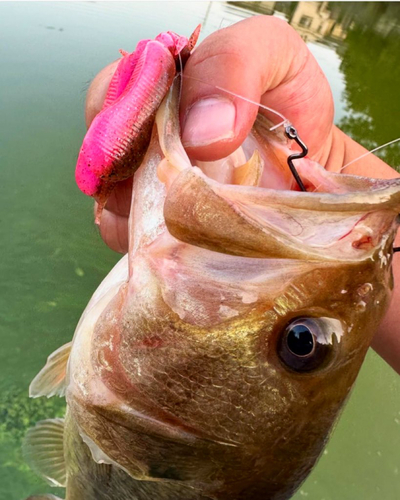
x=353, y=297
x=315, y=397
x=107, y=345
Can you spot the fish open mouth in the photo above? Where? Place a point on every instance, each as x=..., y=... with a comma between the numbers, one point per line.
x=249, y=204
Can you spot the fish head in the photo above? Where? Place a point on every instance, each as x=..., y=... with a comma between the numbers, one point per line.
x=221, y=359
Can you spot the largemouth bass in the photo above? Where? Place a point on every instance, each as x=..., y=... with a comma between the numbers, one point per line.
x=214, y=359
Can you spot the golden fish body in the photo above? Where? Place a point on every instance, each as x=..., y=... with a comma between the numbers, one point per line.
x=214, y=359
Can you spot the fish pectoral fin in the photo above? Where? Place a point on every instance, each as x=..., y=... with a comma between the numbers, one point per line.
x=50, y=381
x=43, y=450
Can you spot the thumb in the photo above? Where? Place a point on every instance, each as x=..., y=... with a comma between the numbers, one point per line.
x=263, y=60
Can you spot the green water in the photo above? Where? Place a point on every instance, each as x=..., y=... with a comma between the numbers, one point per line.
x=51, y=257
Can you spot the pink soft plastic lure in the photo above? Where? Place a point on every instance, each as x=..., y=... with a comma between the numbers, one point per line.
x=117, y=140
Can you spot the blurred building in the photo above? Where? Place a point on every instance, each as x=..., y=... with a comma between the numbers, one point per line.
x=314, y=21
x=266, y=8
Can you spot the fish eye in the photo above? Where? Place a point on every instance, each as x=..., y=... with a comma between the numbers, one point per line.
x=302, y=346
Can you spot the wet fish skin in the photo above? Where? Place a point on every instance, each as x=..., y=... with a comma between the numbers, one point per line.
x=179, y=383
x=260, y=417
x=273, y=437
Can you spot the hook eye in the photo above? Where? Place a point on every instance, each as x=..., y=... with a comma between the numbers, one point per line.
x=291, y=132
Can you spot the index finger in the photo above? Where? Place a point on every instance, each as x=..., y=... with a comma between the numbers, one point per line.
x=114, y=222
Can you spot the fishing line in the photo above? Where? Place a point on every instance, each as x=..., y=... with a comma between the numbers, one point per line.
x=181, y=73
x=285, y=122
x=369, y=152
x=363, y=156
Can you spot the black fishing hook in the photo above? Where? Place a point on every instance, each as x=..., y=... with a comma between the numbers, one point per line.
x=291, y=133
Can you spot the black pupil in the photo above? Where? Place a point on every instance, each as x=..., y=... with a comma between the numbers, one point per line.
x=300, y=340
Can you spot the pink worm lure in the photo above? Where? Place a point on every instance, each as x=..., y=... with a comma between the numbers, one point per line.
x=117, y=140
